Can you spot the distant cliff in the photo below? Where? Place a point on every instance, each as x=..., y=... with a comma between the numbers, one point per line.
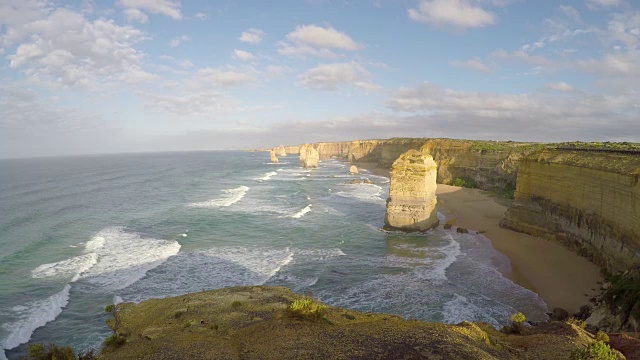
x=588, y=200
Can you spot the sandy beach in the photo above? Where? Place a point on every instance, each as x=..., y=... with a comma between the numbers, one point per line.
x=560, y=276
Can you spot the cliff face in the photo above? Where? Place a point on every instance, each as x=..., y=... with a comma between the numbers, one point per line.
x=256, y=323
x=490, y=165
x=590, y=201
x=292, y=149
x=281, y=151
x=412, y=193
x=327, y=150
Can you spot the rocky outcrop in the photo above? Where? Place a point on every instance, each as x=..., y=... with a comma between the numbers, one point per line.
x=256, y=322
x=273, y=156
x=412, y=193
x=309, y=156
x=281, y=151
x=353, y=169
x=590, y=201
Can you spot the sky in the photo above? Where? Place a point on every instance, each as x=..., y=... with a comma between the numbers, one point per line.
x=109, y=76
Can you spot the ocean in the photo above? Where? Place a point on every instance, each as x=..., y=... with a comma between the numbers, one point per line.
x=79, y=233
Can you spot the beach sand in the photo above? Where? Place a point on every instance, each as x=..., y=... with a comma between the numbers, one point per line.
x=560, y=276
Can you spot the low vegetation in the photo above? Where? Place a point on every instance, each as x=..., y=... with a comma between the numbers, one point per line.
x=115, y=340
x=597, y=350
x=55, y=352
x=577, y=322
x=465, y=181
x=517, y=324
x=307, y=309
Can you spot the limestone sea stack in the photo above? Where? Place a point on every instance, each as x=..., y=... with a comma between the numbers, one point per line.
x=272, y=154
x=412, y=193
x=281, y=151
x=353, y=169
x=309, y=156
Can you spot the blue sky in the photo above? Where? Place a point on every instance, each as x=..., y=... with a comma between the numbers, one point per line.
x=81, y=77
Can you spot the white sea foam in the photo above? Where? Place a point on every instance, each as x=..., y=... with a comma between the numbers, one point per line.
x=302, y=212
x=183, y=235
x=267, y=176
x=230, y=197
x=363, y=192
x=460, y=309
x=125, y=258
x=71, y=267
x=32, y=316
x=282, y=264
x=119, y=259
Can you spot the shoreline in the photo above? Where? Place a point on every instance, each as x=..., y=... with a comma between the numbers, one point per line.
x=559, y=276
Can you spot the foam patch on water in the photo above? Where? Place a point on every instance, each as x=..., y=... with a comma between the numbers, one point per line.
x=267, y=176
x=126, y=257
x=32, y=316
x=302, y=212
x=363, y=192
x=118, y=260
x=460, y=309
x=230, y=197
x=71, y=267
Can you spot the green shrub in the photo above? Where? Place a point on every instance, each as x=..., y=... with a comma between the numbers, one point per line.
x=602, y=336
x=236, y=304
x=465, y=181
x=114, y=322
x=577, y=322
x=597, y=350
x=114, y=341
x=307, y=308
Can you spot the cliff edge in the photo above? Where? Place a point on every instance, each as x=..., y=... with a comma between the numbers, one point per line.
x=256, y=323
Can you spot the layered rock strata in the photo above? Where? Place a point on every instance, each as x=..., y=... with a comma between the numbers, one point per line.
x=309, y=156
x=273, y=156
x=590, y=201
x=412, y=193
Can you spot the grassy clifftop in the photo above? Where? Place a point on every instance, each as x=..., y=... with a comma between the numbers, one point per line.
x=622, y=163
x=257, y=323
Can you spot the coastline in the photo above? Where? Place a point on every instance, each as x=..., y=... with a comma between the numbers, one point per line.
x=559, y=276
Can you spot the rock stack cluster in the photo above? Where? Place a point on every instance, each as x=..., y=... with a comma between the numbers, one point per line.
x=309, y=156
x=281, y=151
x=412, y=193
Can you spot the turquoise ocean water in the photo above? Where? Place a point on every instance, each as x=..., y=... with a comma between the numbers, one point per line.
x=78, y=233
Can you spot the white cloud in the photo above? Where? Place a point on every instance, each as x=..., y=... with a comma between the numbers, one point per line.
x=177, y=41
x=521, y=55
x=163, y=7
x=223, y=77
x=560, y=86
x=199, y=103
x=333, y=76
x=603, y=4
x=460, y=14
x=243, y=55
x=202, y=16
x=617, y=64
x=252, y=36
x=63, y=48
x=474, y=64
x=313, y=40
x=135, y=15
x=322, y=37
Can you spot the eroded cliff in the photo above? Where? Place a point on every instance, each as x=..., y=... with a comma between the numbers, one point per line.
x=590, y=201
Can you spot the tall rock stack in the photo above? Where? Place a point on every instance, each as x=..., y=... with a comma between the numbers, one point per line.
x=412, y=193
x=274, y=157
x=281, y=151
x=309, y=156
